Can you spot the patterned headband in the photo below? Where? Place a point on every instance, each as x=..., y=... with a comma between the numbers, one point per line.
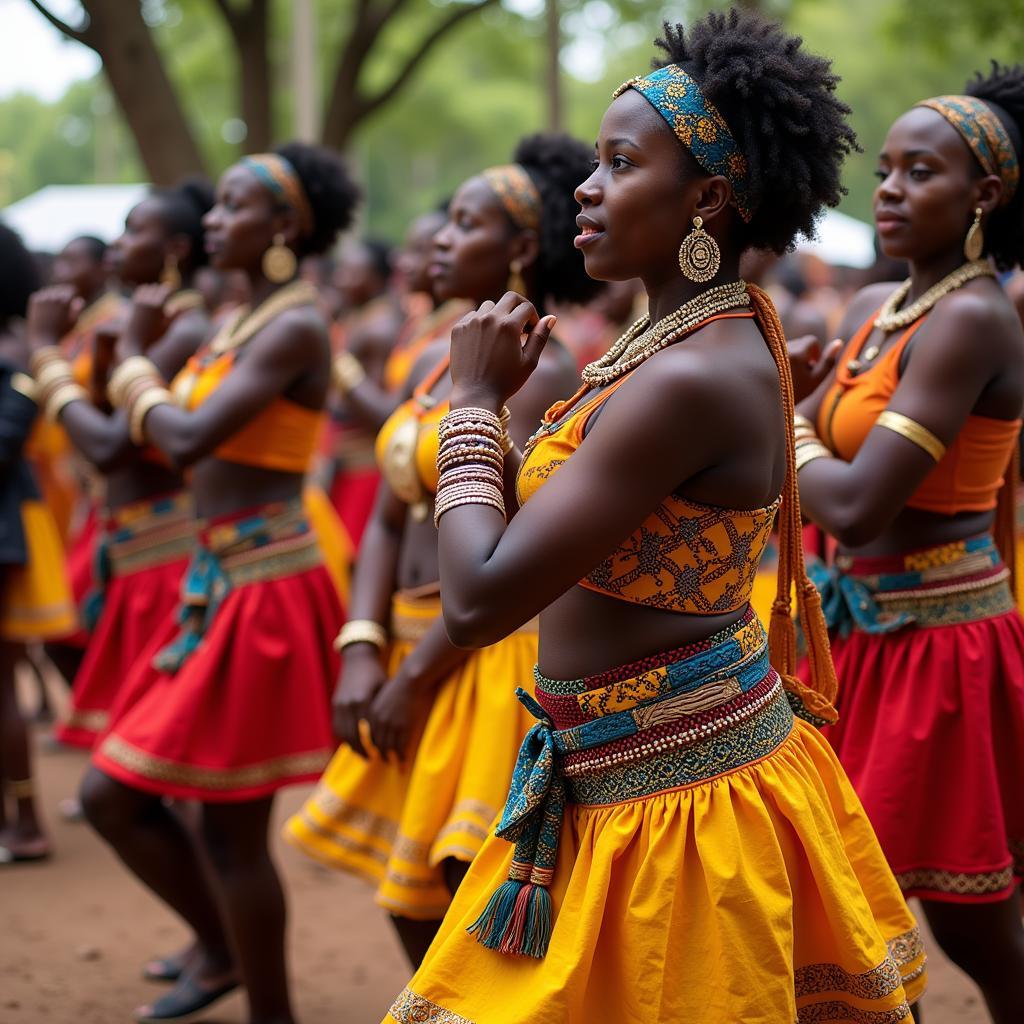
x=983, y=132
x=698, y=126
x=280, y=177
x=518, y=194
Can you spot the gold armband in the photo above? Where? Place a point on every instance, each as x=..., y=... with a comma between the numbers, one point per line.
x=347, y=373
x=913, y=432
x=809, y=450
x=135, y=373
x=62, y=396
x=141, y=406
x=361, y=631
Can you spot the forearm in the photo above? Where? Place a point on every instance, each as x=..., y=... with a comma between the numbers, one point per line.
x=433, y=659
x=102, y=439
x=836, y=496
x=371, y=403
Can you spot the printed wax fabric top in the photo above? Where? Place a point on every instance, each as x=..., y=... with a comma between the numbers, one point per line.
x=966, y=479
x=685, y=557
x=281, y=436
x=407, y=444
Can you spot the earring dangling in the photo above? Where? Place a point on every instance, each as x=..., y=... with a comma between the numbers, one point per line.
x=279, y=262
x=170, y=275
x=974, y=243
x=516, y=281
x=699, y=255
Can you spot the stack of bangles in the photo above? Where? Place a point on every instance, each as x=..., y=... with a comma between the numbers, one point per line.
x=56, y=386
x=471, y=454
x=347, y=373
x=361, y=631
x=137, y=387
x=807, y=443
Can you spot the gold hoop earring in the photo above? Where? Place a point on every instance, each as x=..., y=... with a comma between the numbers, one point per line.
x=516, y=282
x=974, y=243
x=170, y=275
x=699, y=255
x=279, y=262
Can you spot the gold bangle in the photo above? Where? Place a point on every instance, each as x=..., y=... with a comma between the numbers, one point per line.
x=131, y=371
x=912, y=431
x=26, y=386
x=61, y=397
x=809, y=451
x=42, y=357
x=361, y=631
x=347, y=373
x=140, y=409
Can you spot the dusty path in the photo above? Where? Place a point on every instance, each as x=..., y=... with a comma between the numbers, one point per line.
x=74, y=933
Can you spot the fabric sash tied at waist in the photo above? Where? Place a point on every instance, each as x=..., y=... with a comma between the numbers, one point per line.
x=848, y=604
x=263, y=545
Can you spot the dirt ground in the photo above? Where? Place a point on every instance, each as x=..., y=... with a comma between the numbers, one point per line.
x=75, y=931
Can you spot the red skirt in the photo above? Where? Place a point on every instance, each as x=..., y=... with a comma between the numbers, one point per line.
x=249, y=710
x=931, y=733
x=81, y=570
x=135, y=608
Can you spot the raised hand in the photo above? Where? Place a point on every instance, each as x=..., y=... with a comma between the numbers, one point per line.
x=51, y=314
x=810, y=364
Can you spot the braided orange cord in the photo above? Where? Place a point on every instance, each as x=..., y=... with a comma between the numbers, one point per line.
x=818, y=697
x=1005, y=527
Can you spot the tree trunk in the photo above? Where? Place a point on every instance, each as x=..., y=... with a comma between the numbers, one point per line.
x=251, y=29
x=140, y=84
x=553, y=80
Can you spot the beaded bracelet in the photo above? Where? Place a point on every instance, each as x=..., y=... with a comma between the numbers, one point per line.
x=467, y=494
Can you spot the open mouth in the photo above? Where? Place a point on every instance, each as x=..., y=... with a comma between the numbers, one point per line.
x=587, y=236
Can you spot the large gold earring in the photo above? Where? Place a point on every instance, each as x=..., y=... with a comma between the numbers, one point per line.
x=170, y=275
x=974, y=243
x=699, y=255
x=279, y=262
x=516, y=282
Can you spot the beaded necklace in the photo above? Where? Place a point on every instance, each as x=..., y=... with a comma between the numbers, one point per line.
x=644, y=339
x=891, y=317
x=244, y=324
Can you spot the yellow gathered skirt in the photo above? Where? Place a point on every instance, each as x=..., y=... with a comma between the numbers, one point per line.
x=37, y=601
x=760, y=896
x=395, y=823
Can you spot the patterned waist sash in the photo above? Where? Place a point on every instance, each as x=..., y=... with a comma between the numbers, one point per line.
x=944, y=585
x=674, y=720
x=252, y=547
x=142, y=535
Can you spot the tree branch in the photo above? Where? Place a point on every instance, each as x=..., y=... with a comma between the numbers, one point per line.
x=440, y=30
x=79, y=35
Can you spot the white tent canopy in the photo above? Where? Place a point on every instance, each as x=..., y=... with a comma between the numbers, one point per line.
x=49, y=218
x=842, y=241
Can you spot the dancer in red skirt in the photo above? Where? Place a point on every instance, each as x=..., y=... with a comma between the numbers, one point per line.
x=906, y=456
x=231, y=700
x=146, y=529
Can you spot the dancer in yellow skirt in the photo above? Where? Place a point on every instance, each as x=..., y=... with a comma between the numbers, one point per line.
x=686, y=845
x=35, y=596
x=412, y=827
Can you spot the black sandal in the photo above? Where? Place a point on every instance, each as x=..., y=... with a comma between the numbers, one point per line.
x=163, y=970
x=184, y=1000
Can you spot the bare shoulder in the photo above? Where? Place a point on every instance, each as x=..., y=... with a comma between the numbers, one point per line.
x=863, y=305
x=296, y=333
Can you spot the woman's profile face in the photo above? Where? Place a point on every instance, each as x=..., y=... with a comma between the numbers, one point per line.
x=635, y=203
x=240, y=227
x=138, y=255
x=925, y=199
x=473, y=251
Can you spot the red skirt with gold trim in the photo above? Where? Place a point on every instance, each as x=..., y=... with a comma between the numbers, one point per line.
x=248, y=711
x=81, y=554
x=931, y=726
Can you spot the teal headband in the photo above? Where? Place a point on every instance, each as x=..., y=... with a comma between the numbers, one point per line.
x=698, y=126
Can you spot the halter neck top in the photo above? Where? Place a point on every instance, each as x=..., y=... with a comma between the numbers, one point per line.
x=686, y=556
x=969, y=475
x=406, y=447
x=281, y=436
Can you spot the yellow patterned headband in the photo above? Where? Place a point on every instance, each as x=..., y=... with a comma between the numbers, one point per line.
x=518, y=194
x=280, y=177
x=984, y=134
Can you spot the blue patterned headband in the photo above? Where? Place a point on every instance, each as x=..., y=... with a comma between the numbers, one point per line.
x=698, y=126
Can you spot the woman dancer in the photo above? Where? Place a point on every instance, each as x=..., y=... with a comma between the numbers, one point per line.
x=35, y=599
x=147, y=528
x=903, y=458
x=685, y=850
x=231, y=701
x=412, y=829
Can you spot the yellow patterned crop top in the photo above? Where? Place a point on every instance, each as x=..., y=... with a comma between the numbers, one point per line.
x=281, y=436
x=685, y=557
x=406, y=447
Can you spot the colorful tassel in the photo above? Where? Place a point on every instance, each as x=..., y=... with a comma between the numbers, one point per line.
x=516, y=920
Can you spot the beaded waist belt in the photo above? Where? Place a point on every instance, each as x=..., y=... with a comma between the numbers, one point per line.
x=253, y=547
x=673, y=720
x=141, y=535
x=944, y=585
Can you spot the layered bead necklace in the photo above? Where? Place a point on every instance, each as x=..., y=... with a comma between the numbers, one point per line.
x=891, y=317
x=643, y=339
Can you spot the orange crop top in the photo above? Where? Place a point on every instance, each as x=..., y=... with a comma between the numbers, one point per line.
x=969, y=475
x=407, y=444
x=282, y=436
x=685, y=557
